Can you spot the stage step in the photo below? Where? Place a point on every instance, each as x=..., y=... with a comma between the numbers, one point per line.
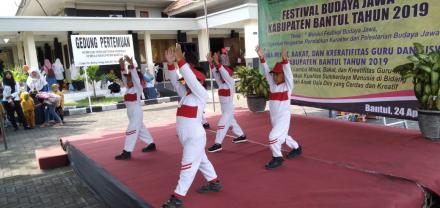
x=51, y=157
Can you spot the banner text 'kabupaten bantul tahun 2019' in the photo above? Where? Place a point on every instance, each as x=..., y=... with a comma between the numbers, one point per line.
x=343, y=52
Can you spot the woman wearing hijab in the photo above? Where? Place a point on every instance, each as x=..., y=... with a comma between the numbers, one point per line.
x=11, y=100
x=35, y=81
x=59, y=76
x=50, y=74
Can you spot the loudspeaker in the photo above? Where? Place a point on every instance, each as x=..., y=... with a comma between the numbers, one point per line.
x=191, y=53
x=181, y=36
x=234, y=34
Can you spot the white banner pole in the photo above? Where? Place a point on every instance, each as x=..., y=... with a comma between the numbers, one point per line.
x=87, y=89
x=210, y=74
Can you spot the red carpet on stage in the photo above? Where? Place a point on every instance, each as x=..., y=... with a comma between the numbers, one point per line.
x=344, y=165
x=390, y=151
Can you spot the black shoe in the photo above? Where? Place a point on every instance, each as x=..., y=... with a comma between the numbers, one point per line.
x=274, y=163
x=294, y=153
x=173, y=202
x=27, y=128
x=123, y=156
x=211, y=186
x=150, y=148
x=206, y=126
x=215, y=148
x=240, y=139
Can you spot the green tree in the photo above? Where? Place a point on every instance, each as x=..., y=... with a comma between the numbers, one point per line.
x=92, y=76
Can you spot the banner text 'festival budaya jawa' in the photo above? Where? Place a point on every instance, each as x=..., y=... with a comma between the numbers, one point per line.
x=343, y=52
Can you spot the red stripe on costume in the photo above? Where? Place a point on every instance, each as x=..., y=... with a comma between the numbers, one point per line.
x=186, y=168
x=273, y=141
x=130, y=97
x=262, y=61
x=214, y=180
x=171, y=67
x=285, y=61
x=181, y=63
x=189, y=164
x=187, y=111
x=281, y=96
x=130, y=131
x=224, y=92
x=178, y=195
x=128, y=134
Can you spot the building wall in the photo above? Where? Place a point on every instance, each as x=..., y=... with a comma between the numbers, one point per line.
x=152, y=12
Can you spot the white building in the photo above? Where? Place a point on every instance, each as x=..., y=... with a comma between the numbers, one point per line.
x=43, y=30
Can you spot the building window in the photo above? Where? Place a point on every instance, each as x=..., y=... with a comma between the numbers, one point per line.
x=144, y=14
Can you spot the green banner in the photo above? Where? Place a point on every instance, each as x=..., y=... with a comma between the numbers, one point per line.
x=343, y=52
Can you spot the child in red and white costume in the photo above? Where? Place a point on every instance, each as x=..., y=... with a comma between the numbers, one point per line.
x=189, y=127
x=226, y=89
x=280, y=81
x=132, y=99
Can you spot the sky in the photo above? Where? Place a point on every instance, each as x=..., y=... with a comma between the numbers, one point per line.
x=8, y=7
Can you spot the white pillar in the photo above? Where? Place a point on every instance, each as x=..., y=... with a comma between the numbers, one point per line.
x=250, y=39
x=20, y=54
x=203, y=40
x=148, y=50
x=30, y=50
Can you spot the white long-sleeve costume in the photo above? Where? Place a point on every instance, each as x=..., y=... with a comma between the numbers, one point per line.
x=226, y=92
x=189, y=127
x=279, y=102
x=136, y=127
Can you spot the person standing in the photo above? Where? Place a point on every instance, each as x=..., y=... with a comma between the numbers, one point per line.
x=150, y=90
x=59, y=109
x=280, y=81
x=224, y=57
x=11, y=100
x=28, y=106
x=132, y=99
x=226, y=90
x=58, y=70
x=50, y=74
x=189, y=127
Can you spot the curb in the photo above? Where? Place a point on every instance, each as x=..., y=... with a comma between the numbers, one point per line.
x=69, y=111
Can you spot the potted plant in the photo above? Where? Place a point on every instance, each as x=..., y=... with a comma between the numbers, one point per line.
x=252, y=85
x=19, y=75
x=424, y=70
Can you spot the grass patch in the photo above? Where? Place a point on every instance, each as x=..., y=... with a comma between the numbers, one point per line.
x=95, y=101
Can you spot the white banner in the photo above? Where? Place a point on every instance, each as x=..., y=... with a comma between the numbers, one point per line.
x=100, y=49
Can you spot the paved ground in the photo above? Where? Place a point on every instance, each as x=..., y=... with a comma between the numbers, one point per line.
x=22, y=184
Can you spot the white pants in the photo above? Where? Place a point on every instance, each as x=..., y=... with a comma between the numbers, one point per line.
x=136, y=128
x=280, y=134
x=194, y=158
x=227, y=120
